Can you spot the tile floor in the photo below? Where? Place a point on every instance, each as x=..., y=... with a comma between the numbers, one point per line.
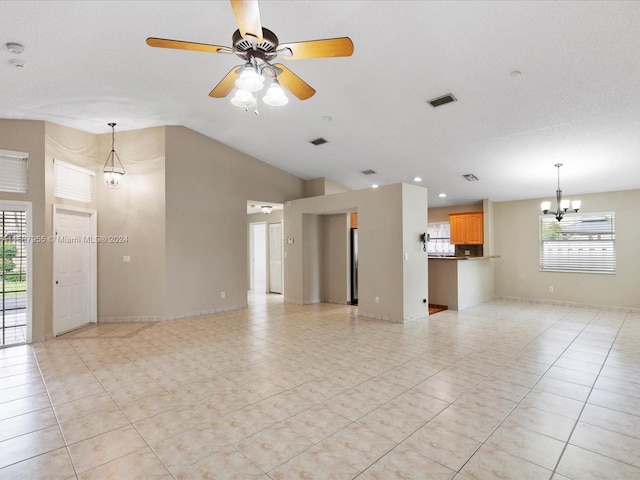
x=502, y=390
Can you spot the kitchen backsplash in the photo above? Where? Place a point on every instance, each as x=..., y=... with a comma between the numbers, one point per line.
x=468, y=251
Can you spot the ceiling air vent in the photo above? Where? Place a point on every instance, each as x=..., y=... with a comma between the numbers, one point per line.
x=367, y=172
x=319, y=141
x=470, y=177
x=448, y=98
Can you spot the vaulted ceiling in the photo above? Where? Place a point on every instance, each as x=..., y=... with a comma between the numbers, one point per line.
x=536, y=83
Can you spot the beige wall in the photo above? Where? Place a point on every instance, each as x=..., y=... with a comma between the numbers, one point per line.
x=207, y=188
x=517, y=243
x=29, y=136
x=322, y=186
x=312, y=258
x=381, y=239
x=441, y=214
x=134, y=290
x=336, y=259
x=415, y=276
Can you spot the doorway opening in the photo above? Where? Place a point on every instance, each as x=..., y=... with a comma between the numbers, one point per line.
x=258, y=249
x=353, y=258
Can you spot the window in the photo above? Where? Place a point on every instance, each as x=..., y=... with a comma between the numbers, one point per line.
x=581, y=242
x=440, y=239
x=73, y=182
x=13, y=171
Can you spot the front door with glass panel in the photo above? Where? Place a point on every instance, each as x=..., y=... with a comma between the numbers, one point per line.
x=14, y=302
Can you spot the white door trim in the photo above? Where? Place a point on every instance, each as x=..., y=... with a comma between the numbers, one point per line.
x=26, y=206
x=252, y=249
x=93, y=263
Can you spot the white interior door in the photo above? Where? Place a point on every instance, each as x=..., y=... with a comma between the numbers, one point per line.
x=74, y=269
x=258, y=281
x=275, y=257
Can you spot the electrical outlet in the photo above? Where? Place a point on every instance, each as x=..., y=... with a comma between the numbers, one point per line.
x=223, y=294
x=377, y=299
x=550, y=289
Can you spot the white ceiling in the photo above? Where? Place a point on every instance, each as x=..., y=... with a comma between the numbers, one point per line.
x=577, y=100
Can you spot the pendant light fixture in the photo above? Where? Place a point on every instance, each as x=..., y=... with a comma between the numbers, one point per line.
x=562, y=206
x=113, y=169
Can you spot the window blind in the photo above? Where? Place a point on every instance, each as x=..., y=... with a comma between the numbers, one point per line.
x=73, y=183
x=581, y=242
x=13, y=171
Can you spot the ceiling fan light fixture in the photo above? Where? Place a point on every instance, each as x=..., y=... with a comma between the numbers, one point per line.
x=243, y=99
x=250, y=80
x=275, y=96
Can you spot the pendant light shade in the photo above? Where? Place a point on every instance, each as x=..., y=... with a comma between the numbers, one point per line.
x=243, y=99
x=113, y=169
x=275, y=96
x=250, y=80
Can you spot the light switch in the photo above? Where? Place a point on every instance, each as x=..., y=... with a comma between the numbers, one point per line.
x=126, y=259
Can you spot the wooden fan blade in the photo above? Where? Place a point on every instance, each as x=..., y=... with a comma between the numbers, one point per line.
x=180, y=45
x=330, y=47
x=294, y=83
x=226, y=84
x=247, y=13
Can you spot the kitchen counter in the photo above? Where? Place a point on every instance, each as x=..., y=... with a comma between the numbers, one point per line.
x=458, y=283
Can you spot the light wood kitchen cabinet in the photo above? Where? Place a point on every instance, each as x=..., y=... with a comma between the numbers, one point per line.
x=466, y=228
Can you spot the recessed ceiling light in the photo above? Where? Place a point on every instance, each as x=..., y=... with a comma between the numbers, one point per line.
x=442, y=195
x=327, y=118
x=470, y=177
x=417, y=179
x=16, y=62
x=375, y=185
x=368, y=172
x=516, y=73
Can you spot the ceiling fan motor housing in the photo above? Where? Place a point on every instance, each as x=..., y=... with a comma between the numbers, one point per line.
x=263, y=51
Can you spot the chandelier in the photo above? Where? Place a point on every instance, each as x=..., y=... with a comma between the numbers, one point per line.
x=562, y=206
x=113, y=169
x=251, y=81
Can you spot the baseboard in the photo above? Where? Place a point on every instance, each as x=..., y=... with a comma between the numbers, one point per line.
x=161, y=318
x=611, y=308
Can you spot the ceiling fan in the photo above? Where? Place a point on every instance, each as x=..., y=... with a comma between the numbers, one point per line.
x=259, y=47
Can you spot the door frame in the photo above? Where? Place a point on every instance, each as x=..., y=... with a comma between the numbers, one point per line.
x=281, y=247
x=252, y=246
x=27, y=207
x=93, y=263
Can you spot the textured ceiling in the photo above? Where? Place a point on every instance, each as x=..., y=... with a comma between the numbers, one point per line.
x=577, y=100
